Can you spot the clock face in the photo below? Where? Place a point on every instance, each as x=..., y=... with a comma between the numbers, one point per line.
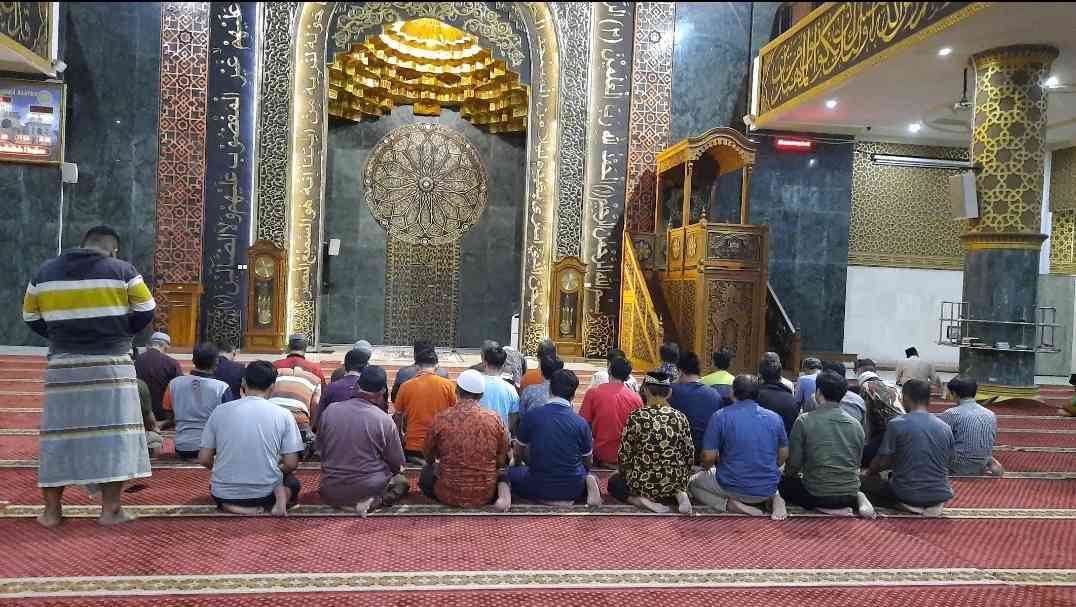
x=264, y=267
x=569, y=282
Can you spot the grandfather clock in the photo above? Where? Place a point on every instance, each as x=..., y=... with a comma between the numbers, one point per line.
x=265, y=298
x=566, y=306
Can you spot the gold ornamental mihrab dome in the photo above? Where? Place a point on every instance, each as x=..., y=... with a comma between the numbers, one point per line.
x=427, y=64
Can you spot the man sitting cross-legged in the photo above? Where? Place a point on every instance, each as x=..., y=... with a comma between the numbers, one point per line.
x=826, y=447
x=252, y=446
x=557, y=445
x=656, y=452
x=749, y=445
x=361, y=454
x=975, y=429
x=464, y=447
x=419, y=401
x=918, y=448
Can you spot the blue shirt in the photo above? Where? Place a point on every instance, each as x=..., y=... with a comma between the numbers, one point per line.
x=500, y=397
x=558, y=440
x=805, y=389
x=698, y=402
x=746, y=438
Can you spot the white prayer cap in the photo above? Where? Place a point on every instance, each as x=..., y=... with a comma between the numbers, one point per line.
x=867, y=375
x=160, y=338
x=364, y=346
x=471, y=381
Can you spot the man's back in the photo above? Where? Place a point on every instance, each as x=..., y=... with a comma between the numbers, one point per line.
x=558, y=440
x=468, y=442
x=501, y=398
x=699, y=403
x=294, y=360
x=250, y=436
x=747, y=438
x=882, y=405
x=921, y=446
x=157, y=369
x=827, y=445
x=916, y=368
x=360, y=450
x=975, y=430
x=777, y=398
x=406, y=374
x=297, y=389
x=532, y=397
x=606, y=408
x=720, y=377
x=419, y=401
x=804, y=392
x=657, y=451
x=231, y=373
x=193, y=399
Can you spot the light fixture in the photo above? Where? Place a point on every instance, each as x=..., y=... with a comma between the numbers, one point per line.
x=795, y=145
x=832, y=103
x=915, y=127
x=811, y=162
x=920, y=162
x=944, y=52
x=1051, y=82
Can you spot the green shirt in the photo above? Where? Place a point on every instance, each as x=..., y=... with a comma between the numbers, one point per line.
x=826, y=446
x=718, y=378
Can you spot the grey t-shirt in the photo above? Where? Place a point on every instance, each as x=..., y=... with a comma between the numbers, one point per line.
x=921, y=446
x=250, y=436
x=193, y=399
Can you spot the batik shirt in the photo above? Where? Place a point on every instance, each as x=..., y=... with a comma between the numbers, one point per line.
x=656, y=452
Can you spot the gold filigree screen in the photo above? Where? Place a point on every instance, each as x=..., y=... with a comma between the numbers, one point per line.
x=1063, y=206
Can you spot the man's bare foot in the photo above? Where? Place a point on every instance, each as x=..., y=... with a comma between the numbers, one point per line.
x=365, y=506
x=504, y=498
x=933, y=511
x=118, y=517
x=646, y=504
x=558, y=503
x=594, y=493
x=778, y=510
x=841, y=512
x=910, y=508
x=994, y=468
x=741, y=508
x=50, y=520
x=244, y=510
x=866, y=509
x=683, y=503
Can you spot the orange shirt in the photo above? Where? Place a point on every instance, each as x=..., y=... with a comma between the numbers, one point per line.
x=419, y=401
x=532, y=377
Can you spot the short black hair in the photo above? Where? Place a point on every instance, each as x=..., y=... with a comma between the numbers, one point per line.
x=549, y=366
x=769, y=371
x=832, y=386
x=615, y=353
x=373, y=380
x=495, y=356
x=205, y=355
x=866, y=364
x=835, y=367
x=338, y=374
x=563, y=384
x=620, y=368
x=426, y=357
x=420, y=346
x=688, y=363
x=916, y=392
x=963, y=386
x=670, y=352
x=462, y=394
x=99, y=233
x=722, y=359
x=260, y=375
x=547, y=349
x=912, y=351
x=356, y=360
x=745, y=387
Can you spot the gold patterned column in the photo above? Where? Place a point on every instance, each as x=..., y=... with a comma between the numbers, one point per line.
x=1063, y=205
x=1001, y=265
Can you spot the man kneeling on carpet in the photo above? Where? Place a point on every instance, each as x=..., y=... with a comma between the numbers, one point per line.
x=464, y=447
x=361, y=454
x=557, y=445
x=918, y=447
x=252, y=446
x=656, y=452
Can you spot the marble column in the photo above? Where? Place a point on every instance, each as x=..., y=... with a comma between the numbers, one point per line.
x=1001, y=268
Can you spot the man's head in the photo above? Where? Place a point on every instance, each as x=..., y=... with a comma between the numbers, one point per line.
x=773, y=357
x=547, y=349
x=670, y=352
x=812, y=364
x=769, y=372
x=689, y=366
x=365, y=346
x=722, y=360
x=830, y=387
x=421, y=346
x=356, y=360
x=470, y=385
x=205, y=356
x=549, y=366
x=745, y=387
x=963, y=387
x=910, y=352
x=426, y=359
x=259, y=377
x=657, y=386
x=297, y=344
x=494, y=358
x=372, y=383
x=620, y=369
x=102, y=239
x=160, y=341
x=915, y=394
x=865, y=365
x=614, y=353
x=226, y=348
x=563, y=384
x=835, y=367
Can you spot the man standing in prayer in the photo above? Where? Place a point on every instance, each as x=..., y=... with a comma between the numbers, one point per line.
x=805, y=389
x=546, y=350
x=536, y=395
x=655, y=453
x=157, y=369
x=500, y=396
x=355, y=362
x=229, y=371
x=89, y=305
x=749, y=445
x=607, y=407
x=361, y=455
x=192, y=398
x=407, y=373
x=826, y=448
x=975, y=429
x=252, y=446
x=918, y=448
x=913, y=367
x=464, y=447
x=694, y=399
x=721, y=379
x=775, y=396
x=296, y=358
x=557, y=445
x=601, y=376
x=419, y=402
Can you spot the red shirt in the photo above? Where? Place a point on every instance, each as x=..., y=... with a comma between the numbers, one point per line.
x=468, y=442
x=606, y=409
x=297, y=360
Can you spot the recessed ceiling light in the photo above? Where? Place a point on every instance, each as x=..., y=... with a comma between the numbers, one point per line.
x=915, y=127
x=811, y=162
x=944, y=52
x=1050, y=82
x=832, y=103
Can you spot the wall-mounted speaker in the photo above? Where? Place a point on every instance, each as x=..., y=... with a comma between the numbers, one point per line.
x=962, y=195
x=69, y=170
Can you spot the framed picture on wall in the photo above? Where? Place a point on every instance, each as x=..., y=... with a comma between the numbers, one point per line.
x=31, y=121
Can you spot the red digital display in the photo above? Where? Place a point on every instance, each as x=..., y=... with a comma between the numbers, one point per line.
x=791, y=144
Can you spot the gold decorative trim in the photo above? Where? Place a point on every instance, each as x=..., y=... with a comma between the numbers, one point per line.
x=38, y=63
x=1004, y=393
x=997, y=240
x=905, y=261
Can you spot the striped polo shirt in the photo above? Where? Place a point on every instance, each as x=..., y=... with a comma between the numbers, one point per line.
x=975, y=429
x=85, y=300
x=297, y=390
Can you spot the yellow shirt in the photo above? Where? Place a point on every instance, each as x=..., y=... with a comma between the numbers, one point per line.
x=718, y=378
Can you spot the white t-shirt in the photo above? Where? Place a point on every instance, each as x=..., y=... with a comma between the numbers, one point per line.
x=250, y=436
